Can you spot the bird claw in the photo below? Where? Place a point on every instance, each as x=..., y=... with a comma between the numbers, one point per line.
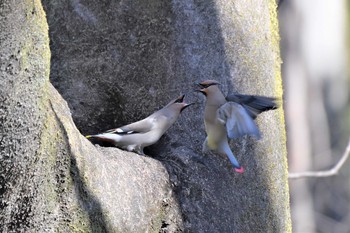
x=239, y=170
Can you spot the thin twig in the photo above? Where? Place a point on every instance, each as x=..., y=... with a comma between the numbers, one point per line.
x=331, y=172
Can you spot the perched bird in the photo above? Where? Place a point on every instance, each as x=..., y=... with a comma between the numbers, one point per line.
x=230, y=117
x=137, y=135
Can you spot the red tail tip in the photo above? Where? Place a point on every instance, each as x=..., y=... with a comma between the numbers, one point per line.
x=239, y=170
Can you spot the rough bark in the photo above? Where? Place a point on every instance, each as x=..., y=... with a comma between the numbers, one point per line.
x=116, y=62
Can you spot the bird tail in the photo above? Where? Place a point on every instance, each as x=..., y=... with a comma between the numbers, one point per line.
x=227, y=150
x=110, y=138
x=260, y=104
x=255, y=104
x=97, y=136
x=102, y=137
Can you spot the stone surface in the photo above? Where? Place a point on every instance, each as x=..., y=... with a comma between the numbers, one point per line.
x=115, y=62
x=52, y=179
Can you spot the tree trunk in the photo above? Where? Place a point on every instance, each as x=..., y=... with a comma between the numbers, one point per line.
x=116, y=62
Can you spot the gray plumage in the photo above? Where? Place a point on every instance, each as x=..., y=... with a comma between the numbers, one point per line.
x=230, y=117
x=138, y=135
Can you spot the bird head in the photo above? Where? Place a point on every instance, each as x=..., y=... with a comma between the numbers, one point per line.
x=179, y=103
x=206, y=86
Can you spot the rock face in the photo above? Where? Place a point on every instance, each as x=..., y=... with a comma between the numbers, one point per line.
x=52, y=178
x=116, y=62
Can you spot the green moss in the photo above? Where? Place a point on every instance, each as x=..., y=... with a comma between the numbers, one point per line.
x=52, y=142
x=39, y=39
x=80, y=223
x=275, y=39
x=157, y=222
x=47, y=154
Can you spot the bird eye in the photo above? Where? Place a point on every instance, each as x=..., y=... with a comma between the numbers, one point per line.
x=178, y=101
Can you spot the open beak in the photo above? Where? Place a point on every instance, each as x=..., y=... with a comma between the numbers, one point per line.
x=180, y=99
x=185, y=105
x=198, y=88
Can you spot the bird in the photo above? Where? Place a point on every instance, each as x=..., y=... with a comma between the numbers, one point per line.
x=138, y=135
x=230, y=117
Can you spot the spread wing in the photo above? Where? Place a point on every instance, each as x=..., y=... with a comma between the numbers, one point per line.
x=254, y=104
x=237, y=120
x=141, y=126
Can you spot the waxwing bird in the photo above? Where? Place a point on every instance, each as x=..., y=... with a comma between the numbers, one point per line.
x=230, y=117
x=137, y=135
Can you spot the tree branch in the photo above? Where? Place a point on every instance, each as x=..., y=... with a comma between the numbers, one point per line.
x=331, y=172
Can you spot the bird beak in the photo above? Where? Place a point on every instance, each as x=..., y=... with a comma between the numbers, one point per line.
x=203, y=91
x=186, y=105
x=180, y=99
x=198, y=88
x=196, y=85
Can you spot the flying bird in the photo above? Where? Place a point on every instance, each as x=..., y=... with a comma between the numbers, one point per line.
x=136, y=136
x=230, y=117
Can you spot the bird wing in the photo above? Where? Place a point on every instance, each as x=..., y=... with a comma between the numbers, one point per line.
x=237, y=120
x=141, y=126
x=254, y=104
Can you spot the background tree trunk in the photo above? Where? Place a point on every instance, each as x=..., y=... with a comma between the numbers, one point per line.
x=316, y=77
x=116, y=62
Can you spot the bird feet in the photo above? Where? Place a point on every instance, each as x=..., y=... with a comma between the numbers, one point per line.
x=239, y=170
